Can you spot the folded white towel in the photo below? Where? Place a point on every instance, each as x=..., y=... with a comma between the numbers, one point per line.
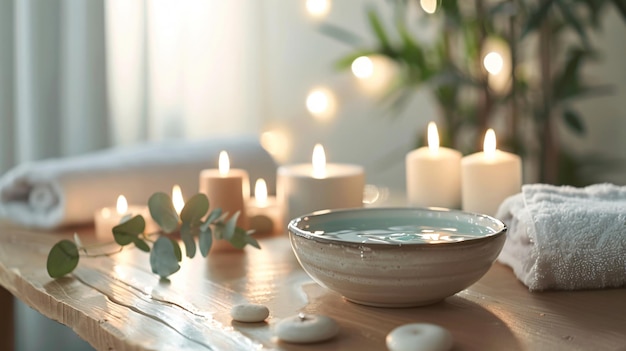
x=66, y=191
x=566, y=238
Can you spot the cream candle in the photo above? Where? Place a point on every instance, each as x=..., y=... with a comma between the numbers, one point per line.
x=263, y=210
x=304, y=188
x=433, y=174
x=489, y=177
x=227, y=188
x=108, y=217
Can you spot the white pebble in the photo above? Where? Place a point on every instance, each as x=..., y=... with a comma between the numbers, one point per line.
x=419, y=337
x=249, y=313
x=304, y=329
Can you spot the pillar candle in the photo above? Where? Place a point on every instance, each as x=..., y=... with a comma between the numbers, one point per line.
x=227, y=188
x=433, y=174
x=304, y=188
x=489, y=177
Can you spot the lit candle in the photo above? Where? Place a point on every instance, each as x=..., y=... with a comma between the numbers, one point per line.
x=304, y=188
x=108, y=217
x=227, y=188
x=177, y=198
x=433, y=174
x=263, y=211
x=489, y=177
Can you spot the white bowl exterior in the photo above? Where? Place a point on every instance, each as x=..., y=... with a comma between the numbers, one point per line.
x=411, y=275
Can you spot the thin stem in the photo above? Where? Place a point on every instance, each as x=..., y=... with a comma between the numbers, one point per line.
x=104, y=253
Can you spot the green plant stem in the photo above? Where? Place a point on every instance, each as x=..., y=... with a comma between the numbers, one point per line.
x=548, y=159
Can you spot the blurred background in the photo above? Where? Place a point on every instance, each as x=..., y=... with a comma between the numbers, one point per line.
x=363, y=78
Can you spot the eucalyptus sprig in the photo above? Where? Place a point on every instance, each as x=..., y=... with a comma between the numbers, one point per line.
x=165, y=251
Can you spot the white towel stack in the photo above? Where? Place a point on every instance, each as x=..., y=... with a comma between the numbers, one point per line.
x=566, y=238
x=56, y=192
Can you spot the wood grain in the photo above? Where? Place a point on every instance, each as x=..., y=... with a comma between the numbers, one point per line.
x=116, y=303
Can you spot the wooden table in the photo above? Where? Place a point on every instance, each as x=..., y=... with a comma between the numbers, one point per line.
x=116, y=303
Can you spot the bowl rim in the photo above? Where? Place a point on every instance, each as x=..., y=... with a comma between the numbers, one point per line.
x=294, y=230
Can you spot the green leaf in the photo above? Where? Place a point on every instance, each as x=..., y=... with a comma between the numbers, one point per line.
x=163, y=260
x=412, y=53
x=238, y=239
x=378, y=29
x=230, y=226
x=536, y=17
x=341, y=34
x=62, y=259
x=195, y=208
x=205, y=241
x=177, y=251
x=127, y=232
x=163, y=212
x=621, y=6
x=142, y=245
x=186, y=234
x=574, y=22
x=215, y=214
x=574, y=121
x=252, y=241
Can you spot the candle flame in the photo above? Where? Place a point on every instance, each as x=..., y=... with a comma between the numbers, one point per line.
x=260, y=192
x=224, y=163
x=122, y=205
x=489, y=146
x=433, y=138
x=319, y=161
x=177, y=198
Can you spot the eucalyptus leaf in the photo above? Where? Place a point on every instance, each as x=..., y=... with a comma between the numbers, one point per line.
x=186, y=234
x=195, y=208
x=62, y=259
x=163, y=212
x=230, y=227
x=621, y=6
x=142, y=245
x=163, y=260
x=127, y=232
x=205, y=240
x=215, y=214
x=252, y=241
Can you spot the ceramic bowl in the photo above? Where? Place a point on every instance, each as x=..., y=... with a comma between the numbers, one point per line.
x=396, y=257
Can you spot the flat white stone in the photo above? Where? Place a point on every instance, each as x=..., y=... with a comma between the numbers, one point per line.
x=304, y=329
x=249, y=313
x=419, y=337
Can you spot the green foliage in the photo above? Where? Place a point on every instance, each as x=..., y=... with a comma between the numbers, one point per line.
x=63, y=258
x=165, y=253
x=450, y=66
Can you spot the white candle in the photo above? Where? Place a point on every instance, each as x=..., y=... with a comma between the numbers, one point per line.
x=263, y=210
x=304, y=188
x=489, y=177
x=227, y=188
x=433, y=174
x=108, y=217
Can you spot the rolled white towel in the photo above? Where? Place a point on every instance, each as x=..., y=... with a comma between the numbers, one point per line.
x=56, y=192
x=566, y=238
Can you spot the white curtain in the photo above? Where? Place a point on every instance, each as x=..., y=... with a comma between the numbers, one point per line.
x=81, y=75
x=52, y=79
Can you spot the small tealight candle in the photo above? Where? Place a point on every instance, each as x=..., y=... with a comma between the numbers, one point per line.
x=304, y=188
x=227, y=188
x=107, y=218
x=433, y=174
x=263, y=211
x=489, y=177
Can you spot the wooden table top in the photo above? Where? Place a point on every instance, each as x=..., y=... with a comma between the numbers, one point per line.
x=116, y=303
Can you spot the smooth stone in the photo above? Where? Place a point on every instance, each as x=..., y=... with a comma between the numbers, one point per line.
x=249, y=313
x=304, y=329
x=419, y=337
